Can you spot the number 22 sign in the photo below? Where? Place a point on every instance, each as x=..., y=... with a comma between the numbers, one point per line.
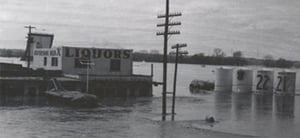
x=264, y=82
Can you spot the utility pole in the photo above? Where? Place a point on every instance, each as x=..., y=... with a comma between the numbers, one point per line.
x=88, y=64
x=166, y=34
x=177, y=46
x=28, y=48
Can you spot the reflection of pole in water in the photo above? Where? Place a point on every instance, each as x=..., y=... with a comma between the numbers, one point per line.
x=284, y=105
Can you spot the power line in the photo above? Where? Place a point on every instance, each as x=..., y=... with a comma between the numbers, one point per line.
x=166, y=34
x=28, y=47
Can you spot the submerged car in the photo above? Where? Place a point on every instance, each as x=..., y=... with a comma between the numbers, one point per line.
x=201, y=87
x=59, y=96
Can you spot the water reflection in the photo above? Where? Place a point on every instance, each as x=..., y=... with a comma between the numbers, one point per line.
x=22, y=100
x=263, y=111
x=256, y=114
x=285, y=124
x=284, y=105
x=262, y=104
x=223, y=104
x=163, y=127
x=262, y=101
x=41, y=100
x=241, y=103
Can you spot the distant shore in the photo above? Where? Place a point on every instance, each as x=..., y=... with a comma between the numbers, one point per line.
x=192, y=59
x=218, y=60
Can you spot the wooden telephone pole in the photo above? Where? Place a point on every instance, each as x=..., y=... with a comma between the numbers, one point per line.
x=177, y=47
x=166, y=34
x=28, y=48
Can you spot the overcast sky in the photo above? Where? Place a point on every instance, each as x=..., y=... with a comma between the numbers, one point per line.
x=255, y=27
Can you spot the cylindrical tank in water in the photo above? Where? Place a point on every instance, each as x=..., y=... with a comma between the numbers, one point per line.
x=285, y=83
x=223, y=81
x=263, y=82
x=242, y=80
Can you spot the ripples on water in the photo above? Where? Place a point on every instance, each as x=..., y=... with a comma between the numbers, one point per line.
x=250, y=115
x=237, y=115
x=138, y=117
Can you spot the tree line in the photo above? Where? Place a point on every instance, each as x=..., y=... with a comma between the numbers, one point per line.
x=217, y=58
x=11, y=52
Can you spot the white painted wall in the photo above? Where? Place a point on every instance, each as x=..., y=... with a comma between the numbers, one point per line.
x=39, y=55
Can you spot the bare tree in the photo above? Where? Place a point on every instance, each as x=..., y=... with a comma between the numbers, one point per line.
x=218, y=52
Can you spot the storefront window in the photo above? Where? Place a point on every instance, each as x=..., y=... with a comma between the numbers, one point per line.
x=54, y=61
x=115, y=65
x=45, y=61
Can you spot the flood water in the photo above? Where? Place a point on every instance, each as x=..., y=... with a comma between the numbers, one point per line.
x=237, y=115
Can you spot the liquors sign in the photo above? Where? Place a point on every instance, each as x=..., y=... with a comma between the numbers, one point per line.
x=97, y=53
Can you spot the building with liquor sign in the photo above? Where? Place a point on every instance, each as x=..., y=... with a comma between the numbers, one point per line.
x=75, y=60
x=109, y=71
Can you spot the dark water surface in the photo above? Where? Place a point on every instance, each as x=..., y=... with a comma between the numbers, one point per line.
x=237, y=115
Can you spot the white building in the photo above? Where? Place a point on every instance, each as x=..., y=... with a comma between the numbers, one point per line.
x=110, y=70
x=47, y=58
x=72, y=60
